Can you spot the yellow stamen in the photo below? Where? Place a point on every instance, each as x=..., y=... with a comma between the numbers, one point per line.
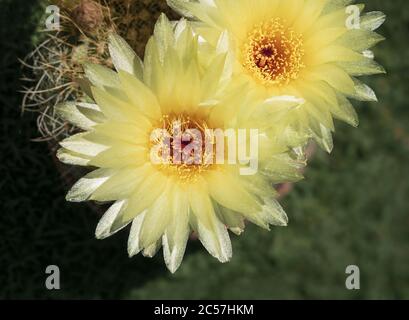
x=274, y=53
x=191, y=164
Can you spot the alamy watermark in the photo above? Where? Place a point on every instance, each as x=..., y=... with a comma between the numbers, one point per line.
x=353, y=20
x=52, y=22
x=52, y=282
x=353, y=281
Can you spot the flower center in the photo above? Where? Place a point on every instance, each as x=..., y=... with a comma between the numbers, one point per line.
x=274, y=53
x=182, y=145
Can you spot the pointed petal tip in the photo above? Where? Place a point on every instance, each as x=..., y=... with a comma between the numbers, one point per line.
x=132, y=252
x=172, y=267
x=113, y=38
x=148, y=254
x=100, y=236
x=224, y=259
x=71, y=197
x=237, y=231
x=163, y=17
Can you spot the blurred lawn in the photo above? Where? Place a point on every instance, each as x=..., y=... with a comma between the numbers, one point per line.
x=351, y=209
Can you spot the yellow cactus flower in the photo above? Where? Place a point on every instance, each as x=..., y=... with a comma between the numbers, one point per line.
x=311, y=49
x=128, y=126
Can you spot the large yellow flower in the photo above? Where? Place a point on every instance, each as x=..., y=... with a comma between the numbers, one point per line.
x=311, y=49
x=165, y=200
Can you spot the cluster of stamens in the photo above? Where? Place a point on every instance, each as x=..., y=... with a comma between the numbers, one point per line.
x=274, y=53
x=178, y=133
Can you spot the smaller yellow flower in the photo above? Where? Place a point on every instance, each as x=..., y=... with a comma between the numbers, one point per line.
x=310, y=49
x=162, y=185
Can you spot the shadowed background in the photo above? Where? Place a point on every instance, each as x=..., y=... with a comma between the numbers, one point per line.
x=352, y=208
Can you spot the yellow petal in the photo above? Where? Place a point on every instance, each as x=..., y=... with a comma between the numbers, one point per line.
x=228, y=191
x=123, y=56
x=140, y=95
x=111, y=222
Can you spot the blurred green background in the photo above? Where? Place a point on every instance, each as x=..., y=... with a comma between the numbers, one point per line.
x=352, y=208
